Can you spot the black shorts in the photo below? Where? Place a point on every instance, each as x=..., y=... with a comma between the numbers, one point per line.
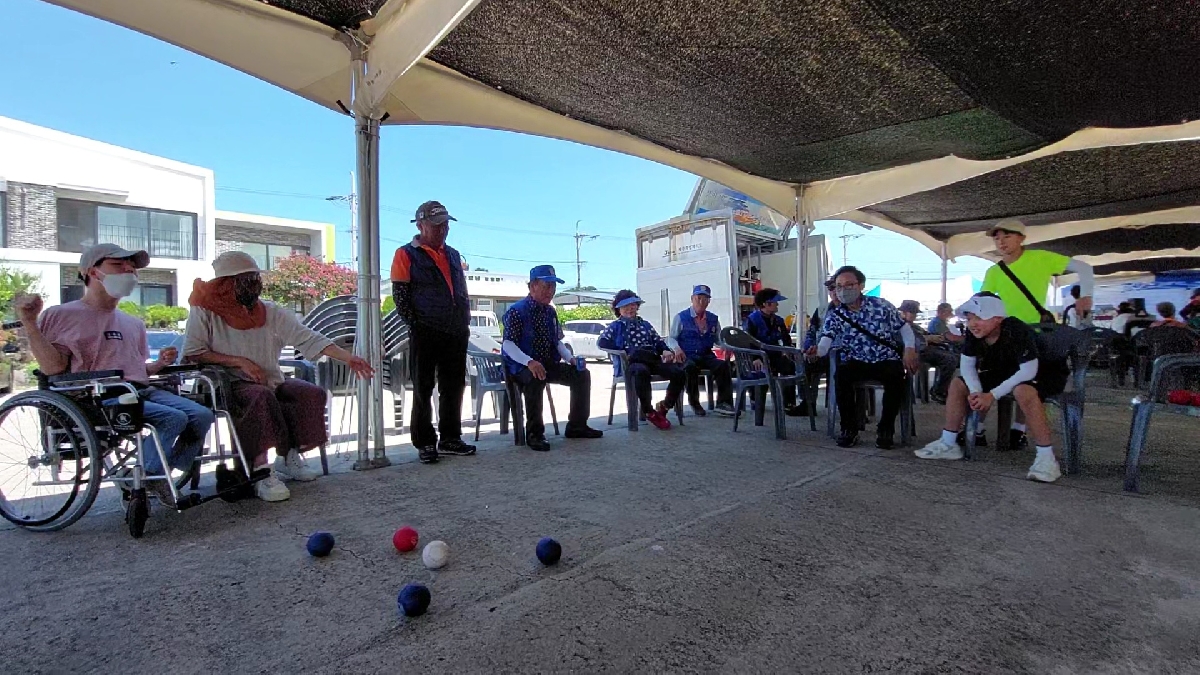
x=1049, y=383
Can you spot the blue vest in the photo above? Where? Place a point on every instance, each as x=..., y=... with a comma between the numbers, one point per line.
x=529, y=313
x=694, y=343
x=433, y=305
x=768, y=330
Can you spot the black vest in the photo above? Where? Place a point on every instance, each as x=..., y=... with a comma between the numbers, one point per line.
x=433, y=306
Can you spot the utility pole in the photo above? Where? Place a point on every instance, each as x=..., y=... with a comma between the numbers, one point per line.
x=352, y=201
x=579, y=239
x=846, y=240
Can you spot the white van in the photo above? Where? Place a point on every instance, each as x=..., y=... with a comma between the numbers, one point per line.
x=484, y=321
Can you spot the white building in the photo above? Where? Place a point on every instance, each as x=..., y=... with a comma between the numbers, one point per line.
x=60, y=193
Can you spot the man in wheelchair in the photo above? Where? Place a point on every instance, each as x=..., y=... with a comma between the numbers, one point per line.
x=91, y=334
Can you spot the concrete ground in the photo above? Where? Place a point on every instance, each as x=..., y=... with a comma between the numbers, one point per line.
x=694, y=549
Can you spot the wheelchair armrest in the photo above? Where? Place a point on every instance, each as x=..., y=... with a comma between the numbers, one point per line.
x=178, y=369
x=72, y=378
x=305, y=370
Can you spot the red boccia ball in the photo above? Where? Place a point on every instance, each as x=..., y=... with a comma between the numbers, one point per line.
x=1179, y=397
x=405, y=539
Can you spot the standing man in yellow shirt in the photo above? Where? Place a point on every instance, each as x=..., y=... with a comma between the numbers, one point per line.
x=1034, y=269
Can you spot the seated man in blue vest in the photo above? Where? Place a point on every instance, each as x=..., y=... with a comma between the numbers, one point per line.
x=694, y=331
x=765, y=325
x=535, y=356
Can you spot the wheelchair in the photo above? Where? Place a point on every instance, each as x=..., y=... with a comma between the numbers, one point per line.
x=78, y=430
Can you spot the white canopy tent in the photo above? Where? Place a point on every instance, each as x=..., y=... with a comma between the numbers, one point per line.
x=804, y=126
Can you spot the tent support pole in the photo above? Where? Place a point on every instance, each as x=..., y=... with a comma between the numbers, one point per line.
x=369, y=330
x=944, y=271
x=801, y=265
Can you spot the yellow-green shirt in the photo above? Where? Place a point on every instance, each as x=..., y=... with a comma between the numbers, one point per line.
x=1034, y=268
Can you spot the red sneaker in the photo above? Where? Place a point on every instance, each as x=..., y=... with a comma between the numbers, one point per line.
x=658, y=419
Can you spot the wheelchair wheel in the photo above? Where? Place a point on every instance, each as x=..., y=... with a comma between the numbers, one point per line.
x=137, y=512
x=50, y=461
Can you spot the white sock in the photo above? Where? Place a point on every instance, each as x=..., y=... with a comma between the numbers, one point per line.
x=949, y=437
x=1045, y=452
x=1018, y=426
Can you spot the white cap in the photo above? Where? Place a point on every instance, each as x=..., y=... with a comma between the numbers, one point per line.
x=233, y=263
x=982, y=306
x=1010, y=225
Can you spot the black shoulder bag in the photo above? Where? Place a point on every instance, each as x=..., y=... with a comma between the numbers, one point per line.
x=1046, y=316
x=874, y=338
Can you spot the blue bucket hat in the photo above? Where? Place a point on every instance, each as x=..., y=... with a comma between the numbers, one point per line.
x=544, y=273
x=701, y=289
x=631, y=300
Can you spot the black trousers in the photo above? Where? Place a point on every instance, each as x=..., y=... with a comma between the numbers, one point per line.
x=890, y=373
x=438, y=358
x=580, y=383
x=946, y=362
x=720, y=374
x=641, y=374
x=784, y=365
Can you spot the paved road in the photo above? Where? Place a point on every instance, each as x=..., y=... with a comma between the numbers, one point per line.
x=689, y=550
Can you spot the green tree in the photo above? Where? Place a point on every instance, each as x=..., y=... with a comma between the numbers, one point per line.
x=389, y=303
x=592, y=312
x=132, y=309
x=13, y=283
x=164, y=316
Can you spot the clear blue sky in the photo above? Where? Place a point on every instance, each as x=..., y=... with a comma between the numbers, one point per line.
x=80, y=75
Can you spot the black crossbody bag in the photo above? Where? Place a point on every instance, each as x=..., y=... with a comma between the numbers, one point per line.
x=1046, y=316
x=874, y=338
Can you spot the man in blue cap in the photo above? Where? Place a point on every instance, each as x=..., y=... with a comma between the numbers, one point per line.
x=693, y=333
x=535, y=356
x=765, y=325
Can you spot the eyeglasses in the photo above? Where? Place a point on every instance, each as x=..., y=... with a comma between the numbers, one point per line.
x=846, y=287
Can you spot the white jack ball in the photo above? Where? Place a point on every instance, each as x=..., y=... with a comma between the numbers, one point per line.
x=435, y=555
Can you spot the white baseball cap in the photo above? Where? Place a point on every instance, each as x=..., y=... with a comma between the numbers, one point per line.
x=1009, y=225
x=233, y=263
x=983, y=306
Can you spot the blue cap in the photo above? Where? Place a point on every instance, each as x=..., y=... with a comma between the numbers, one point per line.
x=631, y=300
x=544, y=273
x=779, y=297
x=701, y=289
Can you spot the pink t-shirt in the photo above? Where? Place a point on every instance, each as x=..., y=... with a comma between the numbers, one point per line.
x=95, y=339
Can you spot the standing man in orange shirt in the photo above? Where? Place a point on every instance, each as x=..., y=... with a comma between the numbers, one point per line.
x=430, y=291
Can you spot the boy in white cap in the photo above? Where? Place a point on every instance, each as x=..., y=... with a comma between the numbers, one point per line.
x=999, y=357
x=91, y=334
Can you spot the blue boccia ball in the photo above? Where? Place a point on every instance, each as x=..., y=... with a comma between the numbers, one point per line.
x=548, y=551
x=413, y=600
x=320, y=544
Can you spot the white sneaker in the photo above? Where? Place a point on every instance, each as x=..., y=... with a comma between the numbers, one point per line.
x=294, y=468
x=271, y=489
x=1044, y=470
x=939, y=450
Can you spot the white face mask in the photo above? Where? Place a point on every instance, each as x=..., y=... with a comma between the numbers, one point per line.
x=119, y=285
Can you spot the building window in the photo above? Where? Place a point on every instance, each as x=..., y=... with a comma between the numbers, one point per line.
x=144, y=295
x=268, y=255
x=163, y=234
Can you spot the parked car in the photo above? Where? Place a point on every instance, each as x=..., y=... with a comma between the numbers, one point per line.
x=484, y=321
x=580, y=337
x=159, y=340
